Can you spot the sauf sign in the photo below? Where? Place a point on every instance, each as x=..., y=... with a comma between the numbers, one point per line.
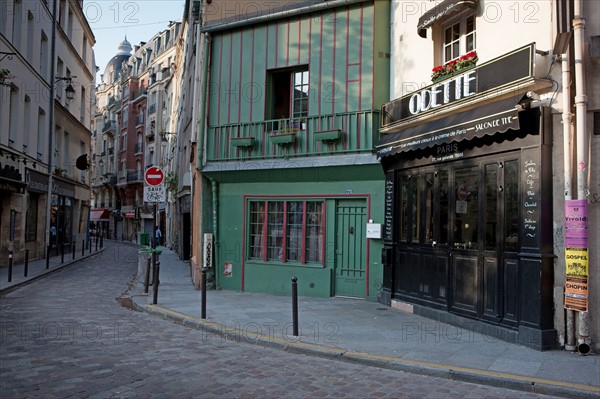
x=154, y=186
x=462, y=86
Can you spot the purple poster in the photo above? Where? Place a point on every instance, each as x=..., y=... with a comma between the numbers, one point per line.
x=576, y=224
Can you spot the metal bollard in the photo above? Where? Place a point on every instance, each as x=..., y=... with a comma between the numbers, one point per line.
x=203, y=314
x=48, y=257
x=156, y=280
x=26, y=268
x=96, y=243
x=62, y=252
x=101, y=242
x=147, y=282
x=90, y=245
x=82, y=247
x=295, y=305
x=73, y=249
x=10, y=265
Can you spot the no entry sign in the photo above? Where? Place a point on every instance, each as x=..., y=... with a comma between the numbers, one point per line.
x=154, y=176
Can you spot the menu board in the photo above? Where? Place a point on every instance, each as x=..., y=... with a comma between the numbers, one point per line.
x=531, y=203
x=388, y=234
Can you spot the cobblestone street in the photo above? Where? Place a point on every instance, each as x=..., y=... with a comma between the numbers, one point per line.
x=68, y=336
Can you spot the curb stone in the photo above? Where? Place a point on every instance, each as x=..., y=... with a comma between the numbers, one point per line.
x=499, y=380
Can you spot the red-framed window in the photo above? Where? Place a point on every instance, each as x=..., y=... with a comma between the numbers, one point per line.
x=287, y=231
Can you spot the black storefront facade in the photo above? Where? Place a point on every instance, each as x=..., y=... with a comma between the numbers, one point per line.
x=468, y=205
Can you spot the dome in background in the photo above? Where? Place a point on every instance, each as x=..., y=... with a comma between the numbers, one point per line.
x=113, y=68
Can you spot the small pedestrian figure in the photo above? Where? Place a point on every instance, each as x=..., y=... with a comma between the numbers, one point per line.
x=158, y=236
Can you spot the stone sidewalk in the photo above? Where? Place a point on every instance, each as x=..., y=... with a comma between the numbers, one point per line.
x=369, y=333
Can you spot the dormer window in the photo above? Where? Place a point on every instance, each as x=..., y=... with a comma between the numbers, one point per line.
x=459, y=37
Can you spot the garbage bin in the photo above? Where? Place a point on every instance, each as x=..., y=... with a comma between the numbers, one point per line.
x=144, y=238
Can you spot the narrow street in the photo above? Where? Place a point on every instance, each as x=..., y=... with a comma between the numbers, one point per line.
x=68, y=336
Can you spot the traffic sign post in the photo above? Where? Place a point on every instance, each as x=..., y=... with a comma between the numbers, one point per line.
x=154, y=187
x=154, y=176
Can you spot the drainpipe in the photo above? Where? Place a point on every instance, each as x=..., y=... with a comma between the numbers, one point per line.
x=567, y=121
x=215, y=220
x=583, y=341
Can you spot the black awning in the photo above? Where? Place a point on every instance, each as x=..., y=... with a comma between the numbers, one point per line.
x=443, y=9
x=489, y=119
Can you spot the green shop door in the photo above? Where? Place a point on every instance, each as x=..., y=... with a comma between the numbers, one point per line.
x=350, y=248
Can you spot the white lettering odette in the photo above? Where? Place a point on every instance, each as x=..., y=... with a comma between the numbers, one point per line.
x=430, y=98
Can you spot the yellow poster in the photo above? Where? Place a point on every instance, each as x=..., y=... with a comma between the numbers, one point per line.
x=576, y=260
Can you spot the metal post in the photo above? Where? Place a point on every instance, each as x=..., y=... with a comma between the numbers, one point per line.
x=101, y=241
x=82, y=247
x=62, y=252
x=26, y=269
x=48, y=257
x=96, y=243
x=10, y=265
x=295, y=305
x=74, y=250
x=90, y=245
x=156, y=280
x=203, y=315
x=147, y=279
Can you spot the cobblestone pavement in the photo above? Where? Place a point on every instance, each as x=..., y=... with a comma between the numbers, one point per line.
x=66, y=336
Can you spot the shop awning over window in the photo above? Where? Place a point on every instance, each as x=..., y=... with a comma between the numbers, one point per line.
x=440, y=11
x=99, y=215
x=489, y=119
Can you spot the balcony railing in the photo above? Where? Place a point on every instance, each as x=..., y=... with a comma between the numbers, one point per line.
x=109, y=126
x=343, y=133
x=134, y=176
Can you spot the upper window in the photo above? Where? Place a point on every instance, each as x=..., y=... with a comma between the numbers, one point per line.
x=286, y=231
x=459, y=38
x=289, y=97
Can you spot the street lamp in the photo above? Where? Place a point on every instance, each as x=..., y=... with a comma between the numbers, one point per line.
x=69, y=91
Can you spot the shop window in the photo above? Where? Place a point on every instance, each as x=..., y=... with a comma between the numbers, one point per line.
x=511, y=206
x=289, y=94
x=289, y=231
x=491, y=209
x=459, y=37
x=31, y=217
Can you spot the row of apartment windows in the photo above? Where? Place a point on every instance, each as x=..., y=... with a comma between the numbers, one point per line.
x=30, y=40
x=23, y=121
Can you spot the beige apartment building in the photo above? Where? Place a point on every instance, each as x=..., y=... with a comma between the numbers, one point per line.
x=45, y=198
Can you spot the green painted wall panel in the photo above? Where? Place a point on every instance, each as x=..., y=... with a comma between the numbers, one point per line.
x=215, y=79
x=258, y=79
x=270, y=48
x=315, y=65
x=366, y=97
x=278, y=280
x=225, y=83
x=340, y=60
x=274, y=277
x=235, y=85
x=328, y=86
x=381, y=45
x=247, y=90
x=341, y=66
x=305, y=35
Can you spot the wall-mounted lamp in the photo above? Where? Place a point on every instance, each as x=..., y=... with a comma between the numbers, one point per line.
x=69, y=91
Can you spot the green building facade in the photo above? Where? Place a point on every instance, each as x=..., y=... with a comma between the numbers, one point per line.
x=293, y=101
